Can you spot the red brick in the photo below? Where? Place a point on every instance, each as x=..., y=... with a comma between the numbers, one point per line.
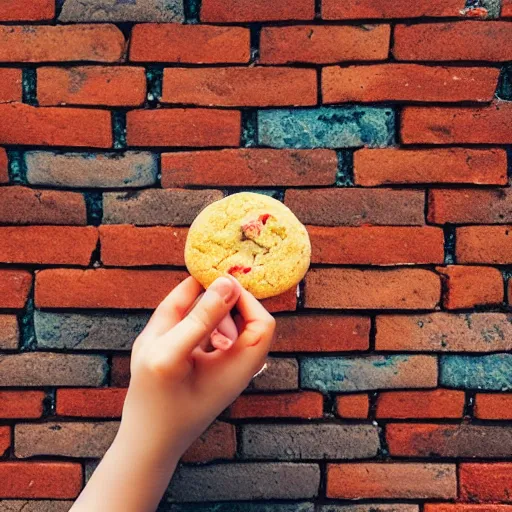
x=218, y=442
x=467, y=287
x=91, y=85
x=321, y=333
x=35, y=10
x=61, y=43
x=21, y=404
x=120, y=371
x=353, y=406
x=183, y=127
x=130, y=246
x=376, y=245
x=470, y=206
x=368, y=9
x=14, y=288
x=440, y=125
x=392, y=480
x=321, y=207
x=440, y=403
x=323, y=44
x=465, y=40
x=104, y=288
x=489, y=406
x=91, y=403
x=451, y=165
x=248, y=87
x=306, y=404
x=4, y=166
x=287, y=301
x=484, y=244
x=486, y=482
x=9, y=335
x=407, y=82
x=53, y=126
x=256, y=10
x=47, y=244
x=59, y=480
x=339, y=288
x=195, y=44
x=10, y=84
x=460, y=507
x=22, y=205
x=245, y=167
x=506, y=8
x=5, y=439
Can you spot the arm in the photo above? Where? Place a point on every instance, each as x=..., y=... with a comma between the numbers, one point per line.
x=178, y=387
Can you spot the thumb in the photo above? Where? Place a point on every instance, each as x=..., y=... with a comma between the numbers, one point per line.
x=214, y=305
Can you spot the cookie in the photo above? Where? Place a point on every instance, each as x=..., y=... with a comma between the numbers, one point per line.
x=253, y=237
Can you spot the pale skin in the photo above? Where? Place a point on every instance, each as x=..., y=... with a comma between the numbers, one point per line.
x=186, y=368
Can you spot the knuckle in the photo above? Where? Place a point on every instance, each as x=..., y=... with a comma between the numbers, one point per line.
x=199, y=320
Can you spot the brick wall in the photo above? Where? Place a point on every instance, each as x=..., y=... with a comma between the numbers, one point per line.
x=385, y=126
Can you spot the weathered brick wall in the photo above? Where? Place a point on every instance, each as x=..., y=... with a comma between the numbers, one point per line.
x=383, y=124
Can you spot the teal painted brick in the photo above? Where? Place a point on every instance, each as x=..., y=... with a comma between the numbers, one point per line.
x=492, y=372
x=327, y=127
x=240, y=507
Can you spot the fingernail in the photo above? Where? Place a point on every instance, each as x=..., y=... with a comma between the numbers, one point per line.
x=220, y=341
x=224, y=287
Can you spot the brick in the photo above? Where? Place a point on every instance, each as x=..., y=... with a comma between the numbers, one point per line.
x=252, y=481
x=243, y=167
x=373, y=507
x=91, y=331
x=353, y=406
x=47, y=369
x=9, y=332
x=407, y=82
x=376, y=245
x=506, y=8
x=323, y=44
x=53, y=126
x=92, y=170
x=176, y=207
x=448, y=507
x=364, y=373
x=91, y=85
x=106, y=10
x=35, y=506
x=467, y=206
x=259, y=10
x=467, y=40
x=368, y=9
x=10, y=85
x=451, y=165
x=305, y=404
x=321, y=333
x=298, y=442
x=120, y=371
x=490, y=406
x=4, y=166
x=248, y=87
x=61, y=43
x=91, y=403
x=183, y=127
x=439, y=403
x=218, y=442
x=339, y=288
x=430, y=440
x=491, y=372
x=360, y=206
x=14, y=288
x=444, y=332
x=280, y=374
x=128, y=246
x=449, y=125
x=486, y=482
x=243, y=507
x=59, y=480
x=104, y=288
x=484, y=244
x=467, y=287
x=287, y=301
x=37, y=244
x=392, y=480
x=22, y=205
x=35, y=10
x=189, y=44
x=21, y=404
x=5, y=439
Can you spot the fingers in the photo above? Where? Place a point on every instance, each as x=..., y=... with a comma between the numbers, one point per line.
x=225, y=334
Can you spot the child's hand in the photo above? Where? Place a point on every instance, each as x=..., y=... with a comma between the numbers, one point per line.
x=179, y=384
